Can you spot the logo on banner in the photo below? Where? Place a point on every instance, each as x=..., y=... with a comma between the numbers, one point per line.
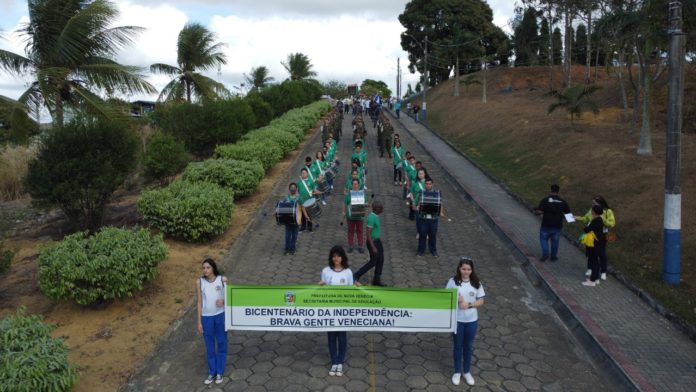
x=289, y=298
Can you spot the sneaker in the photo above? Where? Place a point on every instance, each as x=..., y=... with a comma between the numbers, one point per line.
x=292, y=252
x=544, y=258
x=456, y=378
x=339, y=370
x=603, y=276
x=553, y=258
x=323, y=203
x=209, y=380
x=435, y=255
x=469, y=378
x=588, y=272
x=396, y=183
x=332, y=372
x=350, y=249
x=417, y=236
x=589, y=283
x=218, y=379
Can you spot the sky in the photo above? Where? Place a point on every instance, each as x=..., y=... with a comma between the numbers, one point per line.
x=348, y=41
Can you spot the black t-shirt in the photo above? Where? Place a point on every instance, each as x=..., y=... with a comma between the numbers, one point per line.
x=553, y=208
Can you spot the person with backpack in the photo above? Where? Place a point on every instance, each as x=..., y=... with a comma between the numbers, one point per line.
x=609, y=222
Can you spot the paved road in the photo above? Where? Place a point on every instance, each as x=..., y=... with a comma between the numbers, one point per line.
x=521, y=345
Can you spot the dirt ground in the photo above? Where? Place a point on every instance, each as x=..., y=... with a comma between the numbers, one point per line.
x=108, y=344
x=514, y=138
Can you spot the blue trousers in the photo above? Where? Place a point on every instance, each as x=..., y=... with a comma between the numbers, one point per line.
x=427, y=228
x=338, y=344
x=291, y=237
x=547, y=234
x=464, y=345
x=214, y=332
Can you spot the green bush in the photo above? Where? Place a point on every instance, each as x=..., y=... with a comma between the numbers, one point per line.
x=274, y=134
x=165, y=157
x=6, y=256
x=113, y=263
x=291, y=94
x=186, y=210
x=267, y=154
x=203, y=126
x=241, y=177
x=30, y=359
x=79, y=166
x=263, y=112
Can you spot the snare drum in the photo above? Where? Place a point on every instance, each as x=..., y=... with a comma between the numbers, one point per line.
x=313, y=208
x=358, y=205
x=287, y=212
x=430, y=203
x=322, y=184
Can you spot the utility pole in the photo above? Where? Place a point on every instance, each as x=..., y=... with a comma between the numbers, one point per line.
x=398, y=77
x=425, y=81
x=671, y=257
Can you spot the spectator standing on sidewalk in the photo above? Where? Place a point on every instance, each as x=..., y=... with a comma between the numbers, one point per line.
x=470, y=296
x=609, y=222
x=595, y=233
x=337, y=273
x=374, y=247
x=416, y=108
x=397, y=107
x=552, y=208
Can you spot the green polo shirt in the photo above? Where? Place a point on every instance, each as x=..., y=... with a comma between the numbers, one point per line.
x=373, y=223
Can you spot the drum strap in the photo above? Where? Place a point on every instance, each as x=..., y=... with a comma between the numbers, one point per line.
x=420, y=185
x=306, y=187
x=398, y=154
x=310, y=176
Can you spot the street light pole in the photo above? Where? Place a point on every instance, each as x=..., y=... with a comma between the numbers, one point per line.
x=671, y=257
x=425, y=81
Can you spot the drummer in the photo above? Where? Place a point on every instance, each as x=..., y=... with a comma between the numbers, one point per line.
x=308, y=166
x=427, y=223
x=291, y=229
x=355, y=223
x=306, y=188
x=317, y=169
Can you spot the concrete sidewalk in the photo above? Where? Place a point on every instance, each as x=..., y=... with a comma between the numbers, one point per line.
x=618, y=329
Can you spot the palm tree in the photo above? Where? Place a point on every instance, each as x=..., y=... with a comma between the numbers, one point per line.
x=258, y=78
x=574, y=99
x=69, y=55
x=298, y=66
x=196, y=51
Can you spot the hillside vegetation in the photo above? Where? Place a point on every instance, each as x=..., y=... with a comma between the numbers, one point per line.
x=512, y=137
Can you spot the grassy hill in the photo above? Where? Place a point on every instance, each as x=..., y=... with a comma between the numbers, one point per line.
x=512, y=138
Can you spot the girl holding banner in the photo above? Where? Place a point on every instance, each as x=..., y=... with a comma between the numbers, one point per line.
x=470, y=296
x=210, y=289
x=337, y=274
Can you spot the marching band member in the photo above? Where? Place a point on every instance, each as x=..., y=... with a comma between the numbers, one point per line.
x=426, y=224
x=355, y=224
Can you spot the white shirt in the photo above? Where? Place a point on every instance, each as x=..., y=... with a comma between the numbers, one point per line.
x=210, y=293
x=470, y=294
x=333, y=278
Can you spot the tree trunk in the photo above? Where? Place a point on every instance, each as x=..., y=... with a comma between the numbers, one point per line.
x=622, y=85
x=456, y=78
x=589, y=45
x=567, y=60
x=645, y=144
x=484, y=66
x=637, y=88
x=550, y=49
x=188, y=92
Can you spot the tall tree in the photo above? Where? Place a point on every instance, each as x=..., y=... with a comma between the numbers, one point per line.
x=557, y=46
x=526, y=38
x=69, y=56
x=335, y=89
x=580, y=45
x=258, y=78
x=371, y=87
x=298, y=66
x=439, y=20
x=544, y=41
x=196, y=51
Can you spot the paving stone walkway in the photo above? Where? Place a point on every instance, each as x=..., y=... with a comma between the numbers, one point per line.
x=521, y=344
x=648, y=351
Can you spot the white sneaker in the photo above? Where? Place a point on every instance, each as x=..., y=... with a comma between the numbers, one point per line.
x=339, y=370
x=588, y=272
x=469, y=378
x=209, y=380
x=332, y=372
x=589, y=283
x=218, y=379
x=323, y=202
x=603, y=276
x=456, y=378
